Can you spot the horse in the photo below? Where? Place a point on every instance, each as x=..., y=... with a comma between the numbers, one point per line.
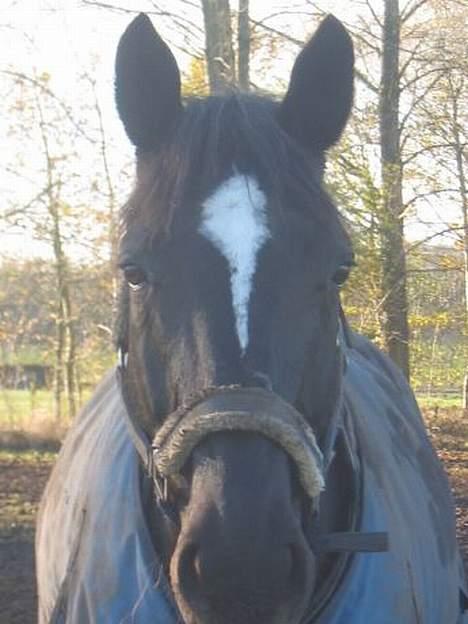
x=251, y=460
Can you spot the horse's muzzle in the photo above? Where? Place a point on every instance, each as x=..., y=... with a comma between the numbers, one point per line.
x=241, y=556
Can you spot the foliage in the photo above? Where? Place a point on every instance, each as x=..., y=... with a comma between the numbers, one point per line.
x=195, y=80
x=27, y=324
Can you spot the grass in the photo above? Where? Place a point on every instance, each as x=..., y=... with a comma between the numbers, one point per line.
x=30, y=457
x=19, y=407
x=26, y=419
x=28, y=410
x=444, y=401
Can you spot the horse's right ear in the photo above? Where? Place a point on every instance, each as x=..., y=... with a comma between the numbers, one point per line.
x=147, y=84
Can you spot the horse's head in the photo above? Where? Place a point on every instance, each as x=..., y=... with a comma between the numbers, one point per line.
x=233, y=255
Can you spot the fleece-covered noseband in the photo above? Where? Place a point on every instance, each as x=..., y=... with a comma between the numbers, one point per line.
x=241, y=409
x=227, y=408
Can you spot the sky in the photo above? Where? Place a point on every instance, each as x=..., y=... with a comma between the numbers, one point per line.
x=65, y=37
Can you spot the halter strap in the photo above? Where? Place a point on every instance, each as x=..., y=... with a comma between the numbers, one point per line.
x=162, y=458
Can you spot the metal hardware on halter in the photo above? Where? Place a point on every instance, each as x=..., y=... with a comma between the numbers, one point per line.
x=122, y=358
x=159, y=482
x=343, y=342
x=343, y=338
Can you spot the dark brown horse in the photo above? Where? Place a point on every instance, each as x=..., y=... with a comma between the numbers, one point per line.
x=272, y=443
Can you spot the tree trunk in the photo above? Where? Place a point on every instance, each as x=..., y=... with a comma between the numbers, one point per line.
x=58, y=366
x=66, y=343
x=455, y=96
x=65, y=336
x=113, y=213
x=70, y=361
x=218, y=45
x=395, y=305
x=243, y=39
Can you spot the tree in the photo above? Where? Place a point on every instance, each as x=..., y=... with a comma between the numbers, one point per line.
x=226, y=50
x=400, y=151
x=243, y=38
x=395, y=304
x=37, y=111
x=219, y=45
x=401, y=40
x=63, y=187
x=443, y=128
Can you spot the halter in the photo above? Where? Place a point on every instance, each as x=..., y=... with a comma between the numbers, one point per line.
x=256, y=410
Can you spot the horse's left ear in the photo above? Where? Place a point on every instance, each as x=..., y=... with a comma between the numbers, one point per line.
x=147, y=84
x=320, y=94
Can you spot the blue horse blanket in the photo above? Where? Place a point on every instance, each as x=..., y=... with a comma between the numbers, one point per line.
x=96, y=562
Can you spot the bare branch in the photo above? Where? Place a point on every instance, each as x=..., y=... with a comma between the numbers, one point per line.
x=409, y=10
x=410, y=58
x=281, y=13
x=423, y=241
x=433, y=269
x=105, y=5
x=44, y=89
x=275, y=31
x=360, y=76
x=417, y=101
x=423, y=150
x=407, y=205
x=374, y=14
x=418, y=77
x=183, y=23
x=357, y=35
x=299, y=43
x=178, y=19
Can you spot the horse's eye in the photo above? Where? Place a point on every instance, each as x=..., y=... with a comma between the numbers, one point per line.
x=135, y=276
x=342, y=274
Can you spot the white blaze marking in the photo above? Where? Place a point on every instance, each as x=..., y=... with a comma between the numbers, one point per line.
x=234, y=220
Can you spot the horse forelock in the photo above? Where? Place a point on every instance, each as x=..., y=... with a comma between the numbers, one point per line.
x=216, y=136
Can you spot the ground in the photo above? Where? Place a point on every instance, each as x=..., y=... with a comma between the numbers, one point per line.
x=24, y=474
x=22, y=479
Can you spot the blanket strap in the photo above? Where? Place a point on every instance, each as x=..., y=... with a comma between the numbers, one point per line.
x=351, y=542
